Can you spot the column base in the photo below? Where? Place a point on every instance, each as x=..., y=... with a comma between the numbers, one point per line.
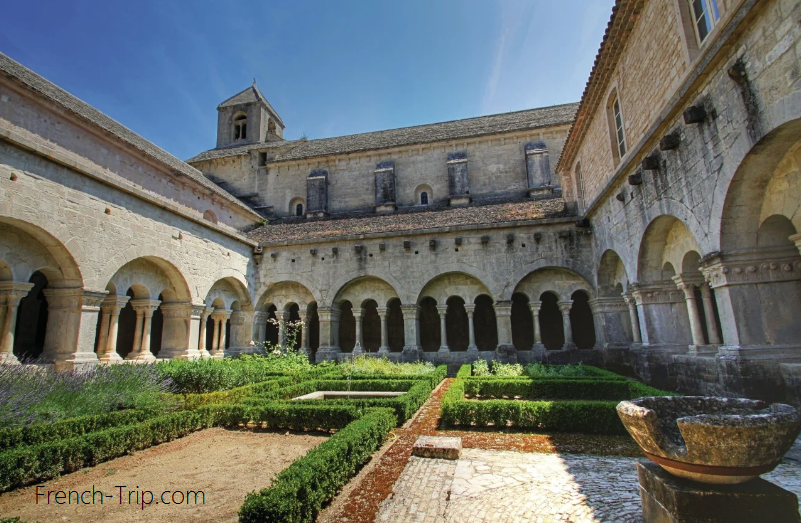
x=142, y=357
x=411, y=353
x=702, y=349
x=383, y=350
x=110, y=358
x=444, y=350
x=8, y=358
x=329, y=353
x=358, y=350
x=668, y=499
x=472, y=349
x=217, y=355
x=569, y=346
x=204, y=354
x=178, y=354
x=506, y=353
x=539, y=351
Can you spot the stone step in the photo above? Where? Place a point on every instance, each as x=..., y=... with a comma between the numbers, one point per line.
x=437, y=447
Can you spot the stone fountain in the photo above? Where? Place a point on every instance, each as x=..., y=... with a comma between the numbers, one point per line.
x=707, y=454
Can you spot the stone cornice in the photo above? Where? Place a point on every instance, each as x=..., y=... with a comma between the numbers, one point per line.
x=656, y=293
x=608, y=304
x=763, y=266
x=74, y=299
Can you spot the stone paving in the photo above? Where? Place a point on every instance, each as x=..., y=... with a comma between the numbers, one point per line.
x=500, y=486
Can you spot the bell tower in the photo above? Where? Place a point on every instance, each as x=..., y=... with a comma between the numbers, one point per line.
x=247, y=117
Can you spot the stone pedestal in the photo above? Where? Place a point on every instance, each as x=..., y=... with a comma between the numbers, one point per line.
x=668, y=499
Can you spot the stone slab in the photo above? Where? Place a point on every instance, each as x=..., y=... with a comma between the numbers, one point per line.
x=668, y=499
x=437, y=447
x=345, y=394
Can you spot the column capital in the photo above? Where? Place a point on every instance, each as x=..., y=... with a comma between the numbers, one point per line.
x=260, y=317
x=198, y=311
x=535, y=307
x=608, y=304
x=411, y=308
x=74, y=299
x=113, y=303
x=240, y=317
x=328, y=313
x=442, y=309
x=221, y=314
x=145, y=304
x=687, y=284
x=502, y=308
x=656, y=293
x=470, y=308
x=382, y=311
x=565, y=305
x=12, y=292
x=177, y=310
x=358, y=313
x=752, y=267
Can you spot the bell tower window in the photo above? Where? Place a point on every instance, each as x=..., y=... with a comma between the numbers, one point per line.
x=240, y=127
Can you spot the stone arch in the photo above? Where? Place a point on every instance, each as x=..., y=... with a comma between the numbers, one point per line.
x=561, y=282
x=510, y=286
x=293, y=209
x=461, y=284
x=363, y=275
x=229, y=292
x=149, y=277
x=364, y=288
x=26, y=248
x=174, y=266
x=419, y=199
x=582, y=322
x=611, y=275
x=666, y=240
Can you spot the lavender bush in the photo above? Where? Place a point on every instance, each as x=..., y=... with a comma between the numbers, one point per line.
x=35, y=394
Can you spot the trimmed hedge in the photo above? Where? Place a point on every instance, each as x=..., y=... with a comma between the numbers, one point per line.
x=294, y=416
x=193, y=401
x=25, y=465
x=298, y=493
x=550, y=389
x=70, y=428
x=465, y=371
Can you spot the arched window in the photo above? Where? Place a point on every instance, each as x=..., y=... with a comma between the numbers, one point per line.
x=240, y=127
x=424, y=198
x=210, y=216
x=617, y=132
x=299, y=209
x=423, y=195
x=296, y=207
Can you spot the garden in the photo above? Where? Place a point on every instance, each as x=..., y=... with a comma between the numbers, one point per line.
x=54, y=424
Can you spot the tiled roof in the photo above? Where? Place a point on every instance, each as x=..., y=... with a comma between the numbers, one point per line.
x=409, y=219
x=85, y=111
x=469, y=127
x=242, y=150
x=250, y=95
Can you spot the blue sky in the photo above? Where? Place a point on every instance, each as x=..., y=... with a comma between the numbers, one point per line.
x=329, y=68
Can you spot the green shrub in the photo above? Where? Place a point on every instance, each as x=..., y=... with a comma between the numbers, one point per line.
x=381, y=365
x=209, y=375
x=193, y=401
x=506, y=369
x=40, y=462
x=465, y=371
x=294, y=416
x=298, y=493
x=43, y=432
x=550, y=389
x=480, y=368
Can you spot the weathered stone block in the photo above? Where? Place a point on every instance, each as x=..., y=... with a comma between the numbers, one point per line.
x=437, y=447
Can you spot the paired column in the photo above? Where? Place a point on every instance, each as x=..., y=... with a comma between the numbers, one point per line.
x=535, y=316
x=443, y=332
x=565, y=307
x=179, y=333
x=144, y=317
x=204, y=319
x=411, y=330
x=220, y=318
x=260, y=328
x=72, y=317
x=687, y=285
x=382, y=314
x=329, y=332
x=471, y=309
x=709, y=313
x=358, y=315
x=109, y=329
x=10, y=295
x=633, y=317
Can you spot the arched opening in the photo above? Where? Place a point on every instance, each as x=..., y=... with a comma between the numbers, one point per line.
x=423, y=195
x=581, y=321
x=299, y=209
x=485, y=323
x=551, y=326
x=424, y=198
x=371, y=326
x=456, y=326
x=395, y=325
x=239, y=129
x=429, y=325
x=271, y=331
x=126, y=328
x=31, y=325
x=347, y=327
x=210, y=216
x=522, y=322
x=294, y=330
x=296, y=206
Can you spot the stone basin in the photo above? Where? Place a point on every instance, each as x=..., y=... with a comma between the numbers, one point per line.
x=709, y=439
x=345, y=395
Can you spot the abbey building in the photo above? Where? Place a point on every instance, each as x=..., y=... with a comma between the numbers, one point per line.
x=651, y=228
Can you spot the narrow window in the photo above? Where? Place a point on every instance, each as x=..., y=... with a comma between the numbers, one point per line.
x=299, y=209
x=240, y=127
x=621, y=137
x=262, y=159
x=244, y=131
x=423, y=198
x=705, y=16
x=580, y=182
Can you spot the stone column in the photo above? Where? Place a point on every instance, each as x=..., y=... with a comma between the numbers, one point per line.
x=565, y=307
x=709, y=313
x=220, y=317
x=107, y=346
x=443, y=333
x=505, y=351
x=281, y=318
x=471, y=309
x=535, y=315
x=72, y=317
x=304, y=333
x=384, y=348
x=241, y=332
x=176, y=340
x=260, y=327
x=631, y=304
x=411, y=332
x=10, y=295
x=329, y=333
x=201, y=345
x=144, y=316
x=687, y=285
x=662, y=314
x=358, y=348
